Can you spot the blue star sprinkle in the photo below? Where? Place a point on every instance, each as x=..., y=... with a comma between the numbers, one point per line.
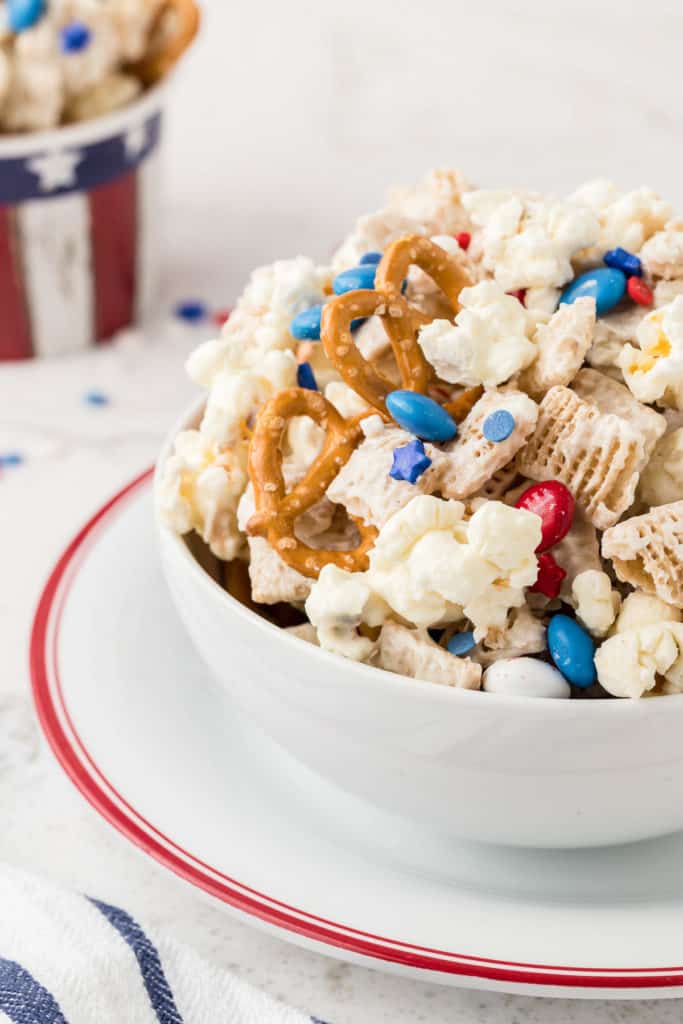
x=305, y=377
x=622, y=259
x=95, y=398
x=498, y=426
x=192, y=311
x=410, y=462
x=461, y=643
x=74, y=37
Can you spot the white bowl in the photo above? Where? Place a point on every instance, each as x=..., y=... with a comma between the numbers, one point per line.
x=520, y=771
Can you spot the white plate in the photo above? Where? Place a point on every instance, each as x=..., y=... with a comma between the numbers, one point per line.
x=135, y=721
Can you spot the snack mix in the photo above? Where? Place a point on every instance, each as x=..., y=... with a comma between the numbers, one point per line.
x=63, y=61
x=456, y=452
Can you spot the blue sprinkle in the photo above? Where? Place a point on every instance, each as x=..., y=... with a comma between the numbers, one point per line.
x=370, y=257
x=96, y=398
x=622, y=259
x=11, y=459
x=193, y=310
x=461, y=643
x=23, y=14
x=306, y=325
x=409, y=463
x=498, y=426
x=74, y=37
x=436, y=634
x=421, y=416
x=356, y=277
x=305, y=377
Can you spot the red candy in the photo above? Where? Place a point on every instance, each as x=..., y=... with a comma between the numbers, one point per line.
x=553, y=503
x=550, y=576
x=221, y=317
x=520, y=295
x=463, y=239
x=639, y=291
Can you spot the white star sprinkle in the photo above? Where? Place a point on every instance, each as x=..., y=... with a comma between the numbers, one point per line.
x=135, y=141
x=56, y=170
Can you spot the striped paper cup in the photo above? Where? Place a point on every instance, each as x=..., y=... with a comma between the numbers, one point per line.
x=78, y=230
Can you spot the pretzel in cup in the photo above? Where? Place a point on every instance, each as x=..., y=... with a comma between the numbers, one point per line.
x=277, y=511
x=401, y=322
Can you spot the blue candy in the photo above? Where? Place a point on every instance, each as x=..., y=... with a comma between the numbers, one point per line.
x=305, y=377
x=74, y=37
x=621, y=259
x=409, y=462
x=23, y=14
x=572, y=650
x=498, y=426
x=421, y=416
x=461, y=643
x=306, y=326
x=356, y=277
x=605, y=285
x=370, y=257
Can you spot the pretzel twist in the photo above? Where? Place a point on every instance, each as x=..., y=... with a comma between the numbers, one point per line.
x=401, y=321
x=277, y=511
x=167, y=47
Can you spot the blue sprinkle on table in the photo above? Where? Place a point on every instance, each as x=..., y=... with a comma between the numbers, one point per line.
x=11, y=459
x=96, y=398
x=191, y=310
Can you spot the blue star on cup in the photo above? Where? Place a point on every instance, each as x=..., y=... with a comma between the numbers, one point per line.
x=409, y=462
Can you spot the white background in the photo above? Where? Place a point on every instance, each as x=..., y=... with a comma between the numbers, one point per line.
x=287, y=121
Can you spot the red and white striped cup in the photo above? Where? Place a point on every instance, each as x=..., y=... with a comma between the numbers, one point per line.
x=78, y=230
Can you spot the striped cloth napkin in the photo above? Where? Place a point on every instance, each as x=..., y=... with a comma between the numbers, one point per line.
x=68, y=959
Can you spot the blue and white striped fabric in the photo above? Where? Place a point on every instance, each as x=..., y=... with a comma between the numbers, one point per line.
x=67, y=959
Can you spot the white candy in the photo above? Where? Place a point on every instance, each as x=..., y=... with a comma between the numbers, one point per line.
x=525, y=677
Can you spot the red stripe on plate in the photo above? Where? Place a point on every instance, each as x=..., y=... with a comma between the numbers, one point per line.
x=15, y=327
x=102, y=795
x=113, y=230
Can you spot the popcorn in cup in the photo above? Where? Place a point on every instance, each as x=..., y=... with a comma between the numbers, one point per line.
x=79, y=207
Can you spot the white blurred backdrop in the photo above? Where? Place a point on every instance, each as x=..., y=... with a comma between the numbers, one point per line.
x=289, y=119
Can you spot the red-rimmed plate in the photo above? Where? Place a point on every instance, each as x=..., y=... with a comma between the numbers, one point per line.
x=154, y=746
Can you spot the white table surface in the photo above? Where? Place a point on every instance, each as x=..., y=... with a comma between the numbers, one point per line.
x=287, y=121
